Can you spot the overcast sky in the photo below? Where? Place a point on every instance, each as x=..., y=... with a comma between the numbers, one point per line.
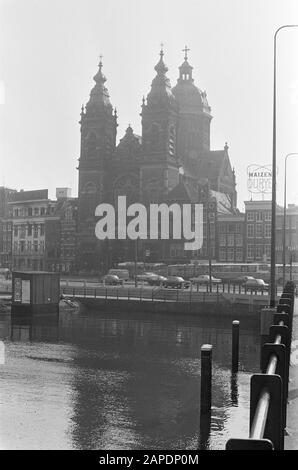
x=49, y=51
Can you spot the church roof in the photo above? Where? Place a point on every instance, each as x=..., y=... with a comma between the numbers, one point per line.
x=224, y=203
x=183, y=192
x=130, y=144
x=211, y=162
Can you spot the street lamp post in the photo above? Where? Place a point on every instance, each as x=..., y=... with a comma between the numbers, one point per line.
x=273, y=199
x=284, y=218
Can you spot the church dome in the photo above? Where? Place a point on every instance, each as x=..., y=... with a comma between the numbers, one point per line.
x=188, y=95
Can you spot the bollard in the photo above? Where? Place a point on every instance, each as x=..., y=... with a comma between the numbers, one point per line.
x=235, y=345
x=206, y=378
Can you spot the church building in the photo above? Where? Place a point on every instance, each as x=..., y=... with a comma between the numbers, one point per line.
x=170, y=162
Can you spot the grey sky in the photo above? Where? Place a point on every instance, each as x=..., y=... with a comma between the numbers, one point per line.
x=49, y=53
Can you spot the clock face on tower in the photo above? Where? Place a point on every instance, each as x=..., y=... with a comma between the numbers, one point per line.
x=127, y=185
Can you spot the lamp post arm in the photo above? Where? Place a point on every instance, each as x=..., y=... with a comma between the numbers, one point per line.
x=273, y=199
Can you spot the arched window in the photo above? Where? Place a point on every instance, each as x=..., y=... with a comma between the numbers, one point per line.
x=89, y=188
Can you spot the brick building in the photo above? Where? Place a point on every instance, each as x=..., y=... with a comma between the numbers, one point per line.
x=258, y=232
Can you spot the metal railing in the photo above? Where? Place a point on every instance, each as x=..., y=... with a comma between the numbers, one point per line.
x=269, y=389
x=156, y=293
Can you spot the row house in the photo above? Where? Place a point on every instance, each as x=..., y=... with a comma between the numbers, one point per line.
x=258, y=232
x=41, y=232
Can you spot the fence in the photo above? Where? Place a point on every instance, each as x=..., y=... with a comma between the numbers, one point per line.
x=269, y=389
x=145, y=293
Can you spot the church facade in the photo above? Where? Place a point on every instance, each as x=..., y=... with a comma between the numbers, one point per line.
x=170, y=162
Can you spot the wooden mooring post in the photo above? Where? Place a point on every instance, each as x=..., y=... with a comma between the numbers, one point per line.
x=235, y=345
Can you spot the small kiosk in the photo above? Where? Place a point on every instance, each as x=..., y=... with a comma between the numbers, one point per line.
x=35, y=292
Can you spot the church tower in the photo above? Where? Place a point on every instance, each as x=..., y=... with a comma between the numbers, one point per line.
x=160, y=168
x=194, y=116
x=98, y=140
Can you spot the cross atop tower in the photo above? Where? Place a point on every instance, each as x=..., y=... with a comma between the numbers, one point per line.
x=185, y=50
x=161, y=49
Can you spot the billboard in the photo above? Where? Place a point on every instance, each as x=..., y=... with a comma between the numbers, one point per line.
x=259, y=179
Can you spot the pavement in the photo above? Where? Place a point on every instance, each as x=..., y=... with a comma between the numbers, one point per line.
x=291, y=440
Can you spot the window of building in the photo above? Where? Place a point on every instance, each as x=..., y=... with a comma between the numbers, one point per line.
x=35, y=246
x=238, y=228
x=29, y=230
x=36, y=210
x=29, y=246
x=250, y=252
x=23, y=231
x=15, y=231
x=222, y=254
x=222, y=239
x=230, y=256
x=239, y=240
x=250, y=230
x=230, y=239
x=259, y=216
x=42, y=211
x=250, y=216
x=42, y=229
x=29, y=211
x=239, y=254
x=231, y=228
x=267, y=216
x=267, y=231
x=16, y=212
x=22, y=246
x=259, y=230
x=222, y=228
x=259, y=252
x=267, y=250
x=35, y=231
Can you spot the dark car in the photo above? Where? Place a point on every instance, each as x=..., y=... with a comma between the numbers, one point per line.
x=176, y=282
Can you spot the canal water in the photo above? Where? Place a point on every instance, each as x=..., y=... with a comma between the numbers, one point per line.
x=95, y=380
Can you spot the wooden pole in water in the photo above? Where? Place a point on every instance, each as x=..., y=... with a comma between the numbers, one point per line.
x=206, y=378
x=235, y=345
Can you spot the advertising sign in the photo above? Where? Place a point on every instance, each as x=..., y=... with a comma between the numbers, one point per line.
x=259, y=179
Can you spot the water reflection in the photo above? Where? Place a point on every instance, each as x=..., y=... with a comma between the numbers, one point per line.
x=120, y=381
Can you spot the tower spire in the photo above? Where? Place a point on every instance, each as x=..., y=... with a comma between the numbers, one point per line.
x=161, y=86
x=99, y=94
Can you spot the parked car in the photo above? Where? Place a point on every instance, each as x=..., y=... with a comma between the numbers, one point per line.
x=242, y=279
x=145, y=277
x=256, y=284
x=121, y=273
x=176, y=282
x=204, y=279
x=156, y=280
x=112, y=280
